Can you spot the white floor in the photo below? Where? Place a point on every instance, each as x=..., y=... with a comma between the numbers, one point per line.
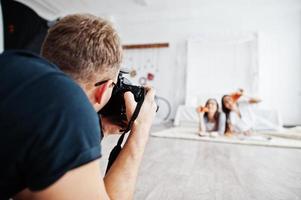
x=178, y=169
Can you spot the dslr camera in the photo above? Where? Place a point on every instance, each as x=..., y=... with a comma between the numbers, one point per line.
x=115, y=108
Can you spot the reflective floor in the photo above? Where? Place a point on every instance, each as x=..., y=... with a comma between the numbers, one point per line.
x=181, y=169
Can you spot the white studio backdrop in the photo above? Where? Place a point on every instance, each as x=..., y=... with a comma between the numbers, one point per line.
x=220, y=63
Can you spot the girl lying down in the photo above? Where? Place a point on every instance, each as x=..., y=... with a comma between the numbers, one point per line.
x=211, y=120
x=240, y=115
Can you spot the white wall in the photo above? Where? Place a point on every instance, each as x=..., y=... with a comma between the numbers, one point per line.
x=220, y=63
x=278, y=24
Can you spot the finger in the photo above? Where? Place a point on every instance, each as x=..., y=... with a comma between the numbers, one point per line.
x=147, y=88
x=130, y=104
x=150, y=93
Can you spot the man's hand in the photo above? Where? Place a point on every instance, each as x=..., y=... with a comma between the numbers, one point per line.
x=125, y=168
x=147, y=111
x=146, y=114
x=112, y=126
x=130, y=104
x=109, y=126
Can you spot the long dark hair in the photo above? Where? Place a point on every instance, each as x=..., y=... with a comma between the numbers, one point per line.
x=216, y=114
x=227, y=113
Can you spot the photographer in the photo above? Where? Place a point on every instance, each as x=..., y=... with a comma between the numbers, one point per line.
x=49, y=127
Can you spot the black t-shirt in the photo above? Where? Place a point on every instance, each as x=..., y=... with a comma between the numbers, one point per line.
x=47, y=124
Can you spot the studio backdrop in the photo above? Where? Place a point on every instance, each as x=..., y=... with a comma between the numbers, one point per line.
x=219, y=63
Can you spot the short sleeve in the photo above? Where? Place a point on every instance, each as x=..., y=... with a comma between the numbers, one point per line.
x=66, y=133
x=239, y=124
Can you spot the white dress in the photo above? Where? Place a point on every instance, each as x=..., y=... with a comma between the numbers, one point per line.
x=249, y=120
x=220, y=128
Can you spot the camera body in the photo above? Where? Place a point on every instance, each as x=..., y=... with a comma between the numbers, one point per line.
x=115, y=108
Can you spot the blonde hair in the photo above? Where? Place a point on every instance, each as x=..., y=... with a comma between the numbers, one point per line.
x=83, y=45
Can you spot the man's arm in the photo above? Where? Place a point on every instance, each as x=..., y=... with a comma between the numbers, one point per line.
x=85, y=182
x=121, y=178
x=82, y=183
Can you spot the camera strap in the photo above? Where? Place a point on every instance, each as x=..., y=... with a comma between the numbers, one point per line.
x=116, y=150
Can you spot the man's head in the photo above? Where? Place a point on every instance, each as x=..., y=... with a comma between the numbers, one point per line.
x=88, y=49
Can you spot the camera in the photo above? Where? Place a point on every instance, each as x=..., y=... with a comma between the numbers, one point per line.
x=115, y=108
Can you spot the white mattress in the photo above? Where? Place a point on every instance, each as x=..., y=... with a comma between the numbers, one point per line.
x=186, y=115
x=269, y=139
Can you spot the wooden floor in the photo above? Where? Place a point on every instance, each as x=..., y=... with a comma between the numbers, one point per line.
x=188, y=170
